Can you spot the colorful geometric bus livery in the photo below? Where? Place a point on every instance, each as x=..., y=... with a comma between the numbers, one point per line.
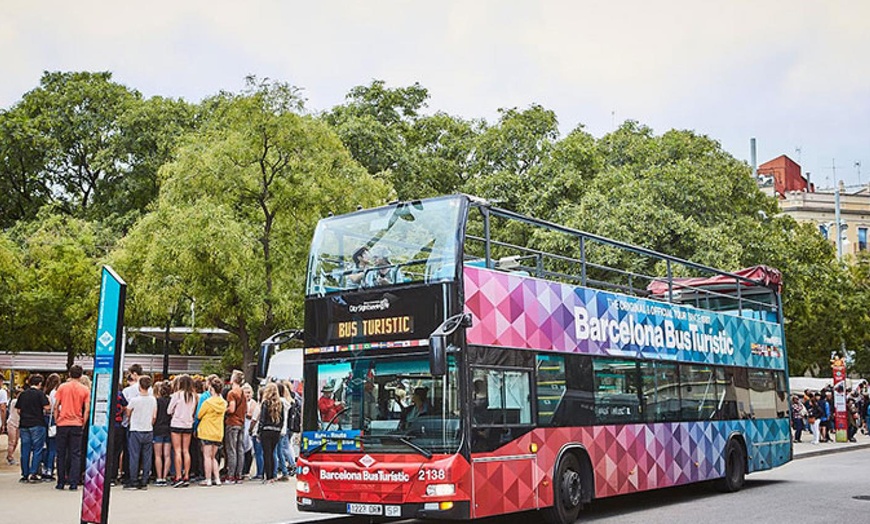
x=625, y=459
x=517, y=311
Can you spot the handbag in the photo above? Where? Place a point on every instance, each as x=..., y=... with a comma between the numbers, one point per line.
x=52, y=427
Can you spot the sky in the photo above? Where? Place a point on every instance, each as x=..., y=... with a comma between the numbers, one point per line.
x=793, y=74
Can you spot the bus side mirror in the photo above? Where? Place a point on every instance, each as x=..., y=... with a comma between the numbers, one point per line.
x=438, y=355
x=438, y=345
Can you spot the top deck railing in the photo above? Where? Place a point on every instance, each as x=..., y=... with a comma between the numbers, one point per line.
x=591, y=260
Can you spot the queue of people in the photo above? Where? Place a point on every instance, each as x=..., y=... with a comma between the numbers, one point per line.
x=173, y=432
x=815, y=412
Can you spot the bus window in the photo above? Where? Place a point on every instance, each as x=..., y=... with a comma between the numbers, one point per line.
x=408, y=242
x=384, y=401
x=661, y=391
x=735, y=403
x=615, y=391
x=550, y=386
x=698, y=393
x=502, y=397
x=782, y=404
x=762, y=393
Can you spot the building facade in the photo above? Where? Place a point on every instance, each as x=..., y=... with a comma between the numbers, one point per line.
x=798, y=198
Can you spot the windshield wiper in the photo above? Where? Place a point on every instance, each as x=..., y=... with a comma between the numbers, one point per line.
x=315, y=449
x=407, y=441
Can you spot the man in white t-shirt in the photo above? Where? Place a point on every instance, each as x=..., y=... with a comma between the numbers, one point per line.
x=142, y=411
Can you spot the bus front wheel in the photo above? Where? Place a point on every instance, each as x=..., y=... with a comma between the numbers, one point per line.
x=567, y=491
x=735, y=468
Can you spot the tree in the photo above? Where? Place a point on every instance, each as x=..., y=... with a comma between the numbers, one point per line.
x=22, y=160
x=57, y=303
x=236, y=212
x=12, y=282
x=89, y=146
x=385, y=131
x=148, y=133
x=77, y=116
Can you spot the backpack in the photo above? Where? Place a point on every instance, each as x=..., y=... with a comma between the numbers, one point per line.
x=294, y=418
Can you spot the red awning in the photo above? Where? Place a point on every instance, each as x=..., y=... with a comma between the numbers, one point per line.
x=761, y=275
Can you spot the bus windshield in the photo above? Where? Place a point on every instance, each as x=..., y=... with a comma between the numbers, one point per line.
x=408, y=242
x=391, y=405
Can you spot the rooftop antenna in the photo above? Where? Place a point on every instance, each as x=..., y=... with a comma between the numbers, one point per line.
x=858, y=168
x=797, y=151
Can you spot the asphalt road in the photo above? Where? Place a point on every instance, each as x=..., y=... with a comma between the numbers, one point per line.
x=819, y=488
x=814, y=489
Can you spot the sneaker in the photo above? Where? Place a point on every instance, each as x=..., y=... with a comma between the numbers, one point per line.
x=11, y=461
x=73, y=488
x=23, y=480
x=59, y=486
x=33, y=479
x=185, y=483
x=129, y=486
x=205, y=483
x=178, y=483
x=142, y=487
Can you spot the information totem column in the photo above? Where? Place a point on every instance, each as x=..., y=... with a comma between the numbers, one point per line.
x=107, y=361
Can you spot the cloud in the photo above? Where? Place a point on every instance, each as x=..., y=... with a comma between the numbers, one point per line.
x=730, y=69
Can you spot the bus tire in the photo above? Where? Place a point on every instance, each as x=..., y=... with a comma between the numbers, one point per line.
x=735, y=468
x=567, y=491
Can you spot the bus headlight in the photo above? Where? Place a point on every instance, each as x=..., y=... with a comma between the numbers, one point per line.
x=440, y=490
x=302, y=486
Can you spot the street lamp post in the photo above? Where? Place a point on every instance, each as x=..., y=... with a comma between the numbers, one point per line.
x=838, y=224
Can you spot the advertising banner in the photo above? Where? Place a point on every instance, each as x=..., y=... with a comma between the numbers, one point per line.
x=841, y=422
x=107, y=358
x=512, y=310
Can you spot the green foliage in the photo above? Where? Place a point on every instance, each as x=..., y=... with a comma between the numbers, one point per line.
x=88, y=145
x=58, y=285
x=193, y=344
x=13, y=279
x=236, y=212
x=385, y=131
x=215, y=203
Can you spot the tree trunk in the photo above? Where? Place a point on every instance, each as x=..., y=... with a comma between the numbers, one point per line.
x=247, y=353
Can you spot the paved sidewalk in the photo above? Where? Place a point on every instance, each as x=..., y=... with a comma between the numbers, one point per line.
x=251, y=503
x=806, y=449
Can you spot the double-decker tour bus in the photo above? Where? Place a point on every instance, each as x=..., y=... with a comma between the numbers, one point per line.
x=464, y=361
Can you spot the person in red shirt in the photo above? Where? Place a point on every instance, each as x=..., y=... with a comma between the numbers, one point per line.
x=328, y=407
x=71, y=409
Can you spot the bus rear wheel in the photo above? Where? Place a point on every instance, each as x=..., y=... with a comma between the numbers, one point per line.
x=735, y=468
x=567, y=491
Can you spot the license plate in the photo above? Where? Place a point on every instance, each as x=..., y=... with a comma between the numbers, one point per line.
x=365, y=509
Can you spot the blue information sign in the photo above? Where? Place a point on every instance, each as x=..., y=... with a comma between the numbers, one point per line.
x=107, y=359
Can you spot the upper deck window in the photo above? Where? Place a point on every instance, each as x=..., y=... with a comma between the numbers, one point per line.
x=402, y=243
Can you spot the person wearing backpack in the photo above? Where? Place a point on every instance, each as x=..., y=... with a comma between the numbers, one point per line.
x=285, y=451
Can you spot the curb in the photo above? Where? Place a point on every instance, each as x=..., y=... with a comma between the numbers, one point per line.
x=815, y=452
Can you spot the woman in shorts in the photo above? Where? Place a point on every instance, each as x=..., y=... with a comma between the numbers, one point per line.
x=182, y=405
x=162, y=444
x=211, y=430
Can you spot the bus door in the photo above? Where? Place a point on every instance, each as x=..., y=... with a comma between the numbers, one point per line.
x=504, y=475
